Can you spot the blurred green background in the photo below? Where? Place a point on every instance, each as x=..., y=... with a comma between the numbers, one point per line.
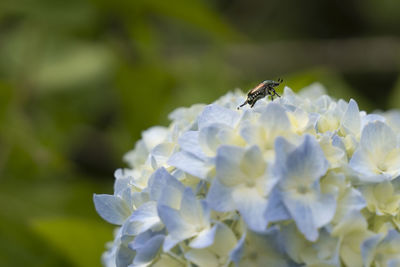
x=80, y=80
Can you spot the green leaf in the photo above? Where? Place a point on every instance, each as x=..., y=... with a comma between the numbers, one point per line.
x=82, y=241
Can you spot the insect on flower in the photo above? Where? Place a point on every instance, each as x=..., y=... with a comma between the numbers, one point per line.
x=260, y=91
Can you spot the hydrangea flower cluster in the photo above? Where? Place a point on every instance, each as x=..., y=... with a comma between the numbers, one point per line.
x=303, y=180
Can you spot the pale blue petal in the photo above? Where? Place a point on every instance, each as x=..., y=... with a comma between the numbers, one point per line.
x=353, y=200
x=176, y=226
x=140, y=240
x=282, y=149
x=190, y=163
x=149, y=251
x=124, y=255
x=338, y=142
x=251, y=206
x=126, y=196
x=112, y=208
x=305, y=164
x=143, y=219
x=189, y=142
x=213, y=136
x=192, y=210
x=392, y=237
x=368, y=248
x=393, y=262
x=310, y=215
x=237, y=253
x=165, y=188
x=217, y=114
x=205, y=238
x=276, y=210
x=169, y=243
x=303, y=216
x=122, y=180
x=219, y=197
x=139, y=198
x=351, y=121
x=171, y=196
x=227, y=165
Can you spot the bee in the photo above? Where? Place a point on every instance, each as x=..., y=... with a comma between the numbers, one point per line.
x=262, y=90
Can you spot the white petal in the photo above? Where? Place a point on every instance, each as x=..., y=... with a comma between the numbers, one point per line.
x=160, y=153
x=225, y=240
x=377, y=138
x=373, y=118
x=253, y=134
x=217, y=114
x=363, y=163
x=154, y=136
x=275, y=120
x=253, y=164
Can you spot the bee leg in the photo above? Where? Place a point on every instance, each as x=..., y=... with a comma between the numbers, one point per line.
x=274, y=93
x=245, y=102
